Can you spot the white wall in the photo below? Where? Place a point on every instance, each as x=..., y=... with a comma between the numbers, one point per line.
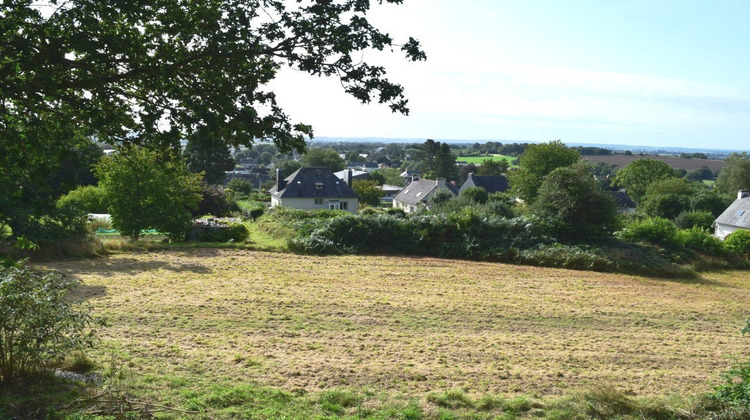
x=309, y=203
x=722, y=231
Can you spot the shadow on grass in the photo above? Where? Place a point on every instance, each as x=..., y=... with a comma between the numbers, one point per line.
x=39, y=397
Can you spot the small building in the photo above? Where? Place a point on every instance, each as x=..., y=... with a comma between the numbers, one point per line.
x=735, y=217
x=490, y=183
x=419, y=193
x=389, y=191
x=314, y=188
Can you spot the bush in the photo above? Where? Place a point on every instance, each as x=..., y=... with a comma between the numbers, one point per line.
x=475, y=194
x=213, y=202
x=240, y=186
x=89, y=199
x=699, y=240
x=695, y=219
x=656, y=230
x=38, y=324
x=738, y=243
x=235, y=232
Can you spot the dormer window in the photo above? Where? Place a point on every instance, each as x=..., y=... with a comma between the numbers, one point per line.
x=318, y=185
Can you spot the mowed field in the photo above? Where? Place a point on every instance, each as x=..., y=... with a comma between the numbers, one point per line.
x=185, y=319
x=477, y=160
x=673, y=161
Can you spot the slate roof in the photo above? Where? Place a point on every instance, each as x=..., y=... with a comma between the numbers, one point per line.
x=415, y=192
x=622, y=199
x=737, y=214
x=313, y=182
x=490, y=183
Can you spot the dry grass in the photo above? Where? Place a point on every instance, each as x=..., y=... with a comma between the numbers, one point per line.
x=410, y=325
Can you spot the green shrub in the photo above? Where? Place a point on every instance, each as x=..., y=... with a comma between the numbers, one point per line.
x=655, y=230
x=89, y=199
x=240, y=186
x=565, y=256
x=735, y=388
x=394, y=211
x=694, y=219
x=699, y=240
x=475, y=194
x=235, y=232
x=738, y=243
x=38, y=323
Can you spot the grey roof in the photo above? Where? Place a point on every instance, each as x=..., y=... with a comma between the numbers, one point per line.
x=490, y=183
x=417, y=191
x=313, y=182
x=622, y=199
x=737, y=214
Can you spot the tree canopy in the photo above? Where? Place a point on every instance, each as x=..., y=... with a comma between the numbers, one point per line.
x=537, y=161
x=328, y=158
x=638, y=175
x=209, y=156
x=736, y=175
x=157, y=71
x=570, y=195
x=163, y=69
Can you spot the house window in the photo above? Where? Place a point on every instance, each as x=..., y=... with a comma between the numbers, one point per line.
x=334, y=205
x=318, y=201
x=344, y=205
x=318, y=185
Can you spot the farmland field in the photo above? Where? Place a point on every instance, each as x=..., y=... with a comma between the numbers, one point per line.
x=477, y=160
x=673, y=161
x=184, y=320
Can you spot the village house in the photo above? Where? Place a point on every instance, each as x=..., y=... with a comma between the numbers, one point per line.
x=314, y=188
x=490, y=183
x=418, y=193
x=735, y=217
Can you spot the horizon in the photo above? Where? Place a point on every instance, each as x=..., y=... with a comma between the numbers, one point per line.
x=666, y=74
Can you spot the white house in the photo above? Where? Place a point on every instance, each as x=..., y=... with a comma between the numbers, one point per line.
x=735, y=217
x=314, y=188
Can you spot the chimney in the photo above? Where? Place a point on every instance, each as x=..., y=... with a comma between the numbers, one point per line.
x=348, y=177
x=440, y=182
x=742, y=194
x=280, y=183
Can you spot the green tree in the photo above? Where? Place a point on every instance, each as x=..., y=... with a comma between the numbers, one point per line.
x=149, y=189
x=736, y=175
x=570, y=195
x=288, y=167
x=638, y=175
x=493, y=167
x=208, y=155
x=328, y=158
x=368, y=191
x=445, y=163
x=537, y=161
x=390, y=176
x=154, y=73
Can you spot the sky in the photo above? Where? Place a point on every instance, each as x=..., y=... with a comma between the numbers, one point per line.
x=651, y=73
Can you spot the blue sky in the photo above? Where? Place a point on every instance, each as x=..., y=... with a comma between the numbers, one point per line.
x=654, y=73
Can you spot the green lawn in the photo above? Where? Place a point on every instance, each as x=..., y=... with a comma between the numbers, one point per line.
x=477, y=160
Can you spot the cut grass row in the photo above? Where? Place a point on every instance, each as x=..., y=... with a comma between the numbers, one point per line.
x=235, y=331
